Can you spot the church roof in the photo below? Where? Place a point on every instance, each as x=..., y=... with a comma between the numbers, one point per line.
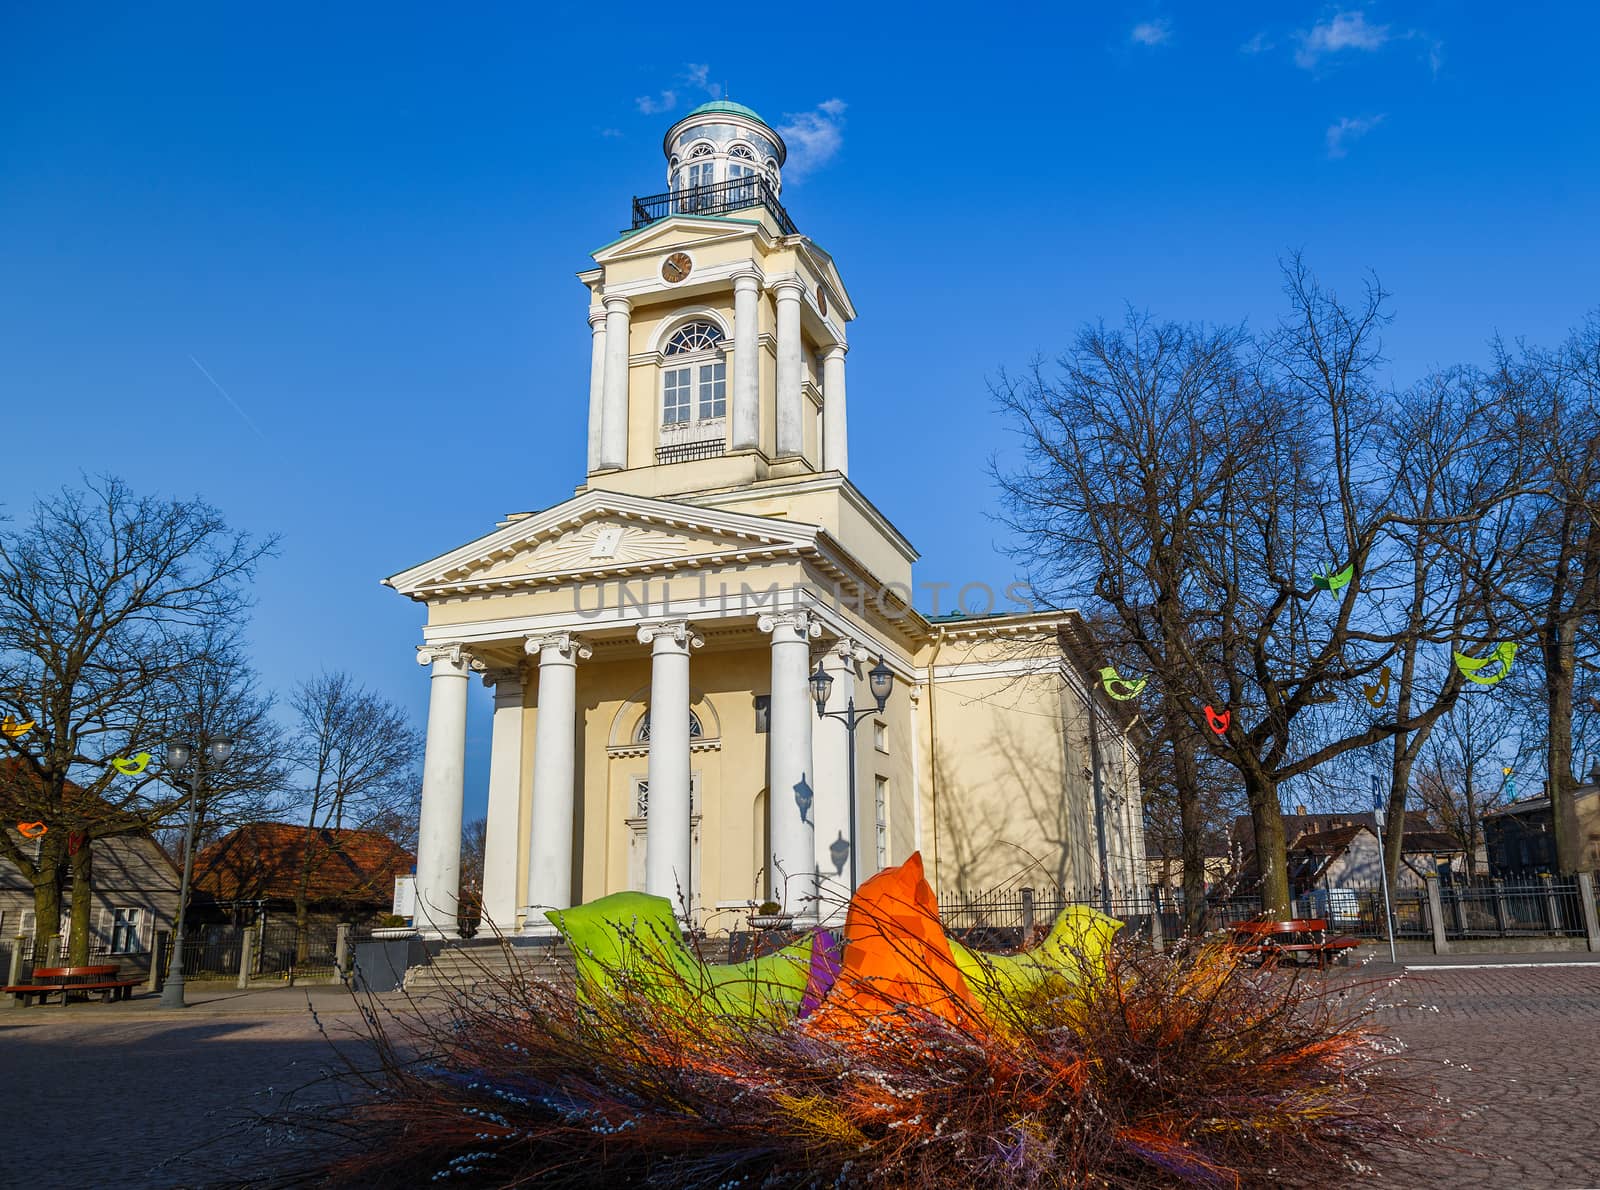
x=726, y=105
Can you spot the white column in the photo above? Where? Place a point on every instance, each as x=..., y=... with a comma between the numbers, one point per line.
x=746, y=362
x=791, y=795
x=831, y=784
x=505, y=801
x=791, y=421
x=597, y=383
x=835, y=437
x=614, y=390
x=667, y=837
x=554, y=778
x=443, y=768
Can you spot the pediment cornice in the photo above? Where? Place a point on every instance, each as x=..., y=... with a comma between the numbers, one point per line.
x=569, y=544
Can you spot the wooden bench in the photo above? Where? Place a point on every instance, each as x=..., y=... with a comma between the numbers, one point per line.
x=1273, y=941
x=70, y=981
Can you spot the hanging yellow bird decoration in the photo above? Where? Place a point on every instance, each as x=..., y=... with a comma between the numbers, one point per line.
x=14, y=729
x=133, y=767
x=1472, y=667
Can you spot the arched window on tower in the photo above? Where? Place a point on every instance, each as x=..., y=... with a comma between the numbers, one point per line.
x=742, y=165
x=641, y=734
x=699, y=177
x=694, y=393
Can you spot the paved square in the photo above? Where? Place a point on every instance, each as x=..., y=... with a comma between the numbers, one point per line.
x=126, y=1096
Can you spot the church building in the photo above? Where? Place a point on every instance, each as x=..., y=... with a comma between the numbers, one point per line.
x=661, y=645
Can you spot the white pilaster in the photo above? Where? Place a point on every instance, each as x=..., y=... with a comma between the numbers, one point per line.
x=443, y=776
x=791, y=421
x=597, y=383
x=835, y=436
x=831, y=752
x=554, y=778
x=746, y=361
x=505, y=802
x=791, y=795
x=614, y=389
x=667, y=834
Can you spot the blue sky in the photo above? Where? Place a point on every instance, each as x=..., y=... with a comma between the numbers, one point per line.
x=354, y=217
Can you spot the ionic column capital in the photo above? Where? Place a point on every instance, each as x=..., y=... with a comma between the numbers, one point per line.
x=557, y=648
x=678, y=632
x=790, y=625
x=505, y=676
x=452, y=656
x=848, y=650
x=597, y=319
x=618, y=305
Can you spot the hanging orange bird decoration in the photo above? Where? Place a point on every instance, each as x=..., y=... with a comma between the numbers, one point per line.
x=31, y=830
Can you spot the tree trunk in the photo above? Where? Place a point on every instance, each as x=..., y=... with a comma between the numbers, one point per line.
x=1560, y=650
x=47, y=899
x=1191, y=826
x=82, y=861
x=1272, y=852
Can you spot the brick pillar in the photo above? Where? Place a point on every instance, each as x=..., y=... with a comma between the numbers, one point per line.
x=1441, y=942
x=1552, y=905
x=1027, y=915
x=1591, y=919
x=247, y=955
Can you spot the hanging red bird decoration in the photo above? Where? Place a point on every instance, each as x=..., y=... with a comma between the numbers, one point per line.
x=1219, y=720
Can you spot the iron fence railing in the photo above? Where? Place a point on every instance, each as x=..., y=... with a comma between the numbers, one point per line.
x=720, y=198
x=1546, y=908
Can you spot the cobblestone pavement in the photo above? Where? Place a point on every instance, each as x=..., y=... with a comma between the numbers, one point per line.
x=121, y=1098
x=1517, y=1053
x=126, y=1097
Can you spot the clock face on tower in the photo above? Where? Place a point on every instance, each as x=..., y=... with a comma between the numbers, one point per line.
x=676, y=267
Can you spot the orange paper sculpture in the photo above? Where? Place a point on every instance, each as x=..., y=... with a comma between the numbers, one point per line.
x=896, y=956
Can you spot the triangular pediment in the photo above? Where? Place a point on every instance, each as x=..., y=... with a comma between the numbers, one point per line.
x=680, y=231
x=601, y=534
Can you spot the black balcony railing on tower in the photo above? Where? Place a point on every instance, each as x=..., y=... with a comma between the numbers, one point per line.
x=735, y=194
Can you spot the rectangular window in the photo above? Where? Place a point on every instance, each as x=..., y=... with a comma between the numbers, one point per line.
x=880, y=812
x=763, y=713
x=126, y=936
x=713, y=391
x=880, y=735
x=675, y=396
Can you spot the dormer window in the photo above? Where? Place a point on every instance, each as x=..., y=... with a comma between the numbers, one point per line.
x=694, y=392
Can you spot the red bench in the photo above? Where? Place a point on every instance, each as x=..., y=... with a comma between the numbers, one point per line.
x=1274, y=941
x=71, y=981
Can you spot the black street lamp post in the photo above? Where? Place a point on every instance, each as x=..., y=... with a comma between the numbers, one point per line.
x=181, y=757
x=880, y=679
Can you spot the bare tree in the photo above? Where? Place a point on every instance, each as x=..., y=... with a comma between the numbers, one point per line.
x=1551, y=403
x=474, y=842
x=1231, y=501
x=107, y=601
x=1465, y=770
x=356, y=762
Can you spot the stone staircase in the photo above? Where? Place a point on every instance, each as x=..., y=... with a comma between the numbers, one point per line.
x=466, y=966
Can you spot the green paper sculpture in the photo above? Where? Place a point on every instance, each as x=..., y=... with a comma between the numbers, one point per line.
x=1333, y=582
x=1075, y=947
x=639, y=934
x=1472, y=667
x=1121, y=689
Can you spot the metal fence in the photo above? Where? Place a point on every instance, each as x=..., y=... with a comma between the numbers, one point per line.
x=280, y=951
x=1007, y=918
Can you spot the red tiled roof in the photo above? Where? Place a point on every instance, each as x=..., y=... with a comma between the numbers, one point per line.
x=264, y=860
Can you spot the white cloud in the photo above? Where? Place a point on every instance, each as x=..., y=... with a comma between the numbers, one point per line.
x=1259, y=44
x=1344, y=31
x=697, y=74
x=652, y=106
x=814, y=138
x=1347, y=130
x=1156, y=32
